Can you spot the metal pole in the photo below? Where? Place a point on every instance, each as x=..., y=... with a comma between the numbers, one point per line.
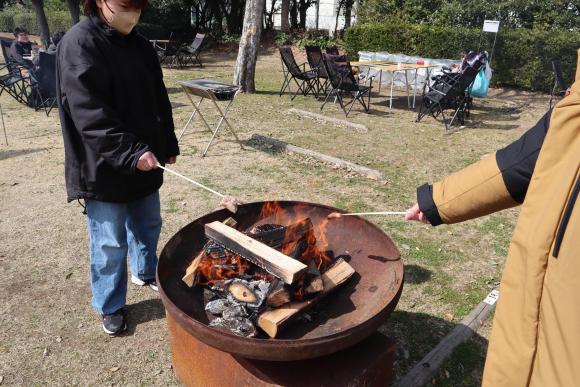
x=3, y=126
x=492, y=48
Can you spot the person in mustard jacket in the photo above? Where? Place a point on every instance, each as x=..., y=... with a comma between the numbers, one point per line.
x=535, y=339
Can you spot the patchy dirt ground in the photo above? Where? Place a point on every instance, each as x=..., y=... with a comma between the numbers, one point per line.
x=50, y=334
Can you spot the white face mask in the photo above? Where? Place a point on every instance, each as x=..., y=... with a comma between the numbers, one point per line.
x=123, y=21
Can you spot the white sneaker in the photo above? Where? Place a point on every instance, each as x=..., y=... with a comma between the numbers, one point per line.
x=152, y=283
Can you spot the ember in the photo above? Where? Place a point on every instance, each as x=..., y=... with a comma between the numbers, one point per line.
x=250, y=273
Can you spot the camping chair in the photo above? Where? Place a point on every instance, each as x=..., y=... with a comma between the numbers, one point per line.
x=45, y=86
x=292, y=72
x=451, y=91
x=332, y=50
x=15, y=83
x=190, y=54
x=171, y=55
x=343, y=81
x=314, y=56
x=559, y=82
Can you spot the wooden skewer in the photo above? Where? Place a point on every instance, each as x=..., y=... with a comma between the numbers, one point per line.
x=336, y=215
x=192, y=181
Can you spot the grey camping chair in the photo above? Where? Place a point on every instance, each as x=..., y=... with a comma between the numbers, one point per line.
x=190, y=54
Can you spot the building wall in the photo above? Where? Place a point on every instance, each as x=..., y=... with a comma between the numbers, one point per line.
x=326, y=16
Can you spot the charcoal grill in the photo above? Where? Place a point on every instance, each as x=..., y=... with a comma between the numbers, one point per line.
x=347, y=316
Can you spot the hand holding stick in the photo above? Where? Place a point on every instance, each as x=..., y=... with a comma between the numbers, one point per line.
x=336, y=215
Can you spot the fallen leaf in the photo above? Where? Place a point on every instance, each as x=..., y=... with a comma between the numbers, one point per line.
x=80, y=326
x=45, y=352
x=114, y=369
x=406, y=354
x=448, y=317
x=447, y=375
x=158, y=372
x=58, y=339
x=68, y=275
x=1, y=379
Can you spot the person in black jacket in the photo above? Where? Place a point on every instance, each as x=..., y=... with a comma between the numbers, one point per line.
x=21, y=47
x=117, y=127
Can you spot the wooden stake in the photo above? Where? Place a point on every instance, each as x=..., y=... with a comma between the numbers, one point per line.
x=273, y=261
x=271, y=321
x=422, y=373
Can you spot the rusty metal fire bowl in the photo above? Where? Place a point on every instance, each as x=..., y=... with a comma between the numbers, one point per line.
x=345, y=317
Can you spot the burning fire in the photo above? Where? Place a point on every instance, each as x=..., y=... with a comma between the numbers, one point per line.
x=219, y=264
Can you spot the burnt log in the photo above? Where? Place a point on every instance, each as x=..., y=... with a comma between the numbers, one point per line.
x=272, y=321
x=264, y=256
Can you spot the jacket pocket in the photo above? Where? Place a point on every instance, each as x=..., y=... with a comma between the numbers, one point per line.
x=566, y=218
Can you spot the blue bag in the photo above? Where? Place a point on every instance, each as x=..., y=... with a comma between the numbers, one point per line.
x=480, y=85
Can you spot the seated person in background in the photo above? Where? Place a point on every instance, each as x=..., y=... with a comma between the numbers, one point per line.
x=54, y=42
x=21, y=47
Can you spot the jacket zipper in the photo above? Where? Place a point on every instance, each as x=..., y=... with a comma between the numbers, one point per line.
x=566, y=219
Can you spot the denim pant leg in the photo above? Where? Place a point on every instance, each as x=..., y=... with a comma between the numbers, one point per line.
x=108, y=251
x=143, y=229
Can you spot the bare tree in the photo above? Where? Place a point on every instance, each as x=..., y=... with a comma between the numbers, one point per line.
x=285, y=12
x=249, y=44
x=38, y=6
x=75, y=10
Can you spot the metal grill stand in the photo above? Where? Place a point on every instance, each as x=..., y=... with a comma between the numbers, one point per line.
x=214, y=91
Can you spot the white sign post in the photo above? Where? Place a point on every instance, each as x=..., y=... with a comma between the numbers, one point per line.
x=491, y=26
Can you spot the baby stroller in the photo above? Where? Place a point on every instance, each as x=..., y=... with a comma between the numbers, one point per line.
x=450, y=90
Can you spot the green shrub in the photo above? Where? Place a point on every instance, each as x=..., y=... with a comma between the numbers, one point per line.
x=522, y=58
x=308, y=38
x=11, y=18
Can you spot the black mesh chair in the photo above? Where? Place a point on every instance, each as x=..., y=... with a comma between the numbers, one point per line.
x=15, y=82
x=560, y=85
x=314, y=56
x=332, y=50
x=45, y=85
x=293, y=72
x=190, y=54
x=343, y=82
x=451, y=91
x=171, y=55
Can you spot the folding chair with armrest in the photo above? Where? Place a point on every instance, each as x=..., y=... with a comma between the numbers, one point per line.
x=292, y=72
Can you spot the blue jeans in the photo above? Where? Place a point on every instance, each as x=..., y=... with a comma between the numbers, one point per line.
x=116, y=229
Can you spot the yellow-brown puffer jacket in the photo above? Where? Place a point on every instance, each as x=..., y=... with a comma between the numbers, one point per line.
x=535, y=338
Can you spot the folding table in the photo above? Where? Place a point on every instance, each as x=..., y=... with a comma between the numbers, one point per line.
x=214, y=91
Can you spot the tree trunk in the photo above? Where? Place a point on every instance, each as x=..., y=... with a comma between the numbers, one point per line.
x=347, y=13
x=42, y=22
x=302, y=9
x=285, y=26
x=74, y=9
x=294, y=14
x=337, y=17
x=249, y=44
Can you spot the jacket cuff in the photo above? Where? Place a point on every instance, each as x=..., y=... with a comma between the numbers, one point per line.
x=427, y=204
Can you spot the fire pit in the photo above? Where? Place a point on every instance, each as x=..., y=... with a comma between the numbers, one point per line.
x=351, y=314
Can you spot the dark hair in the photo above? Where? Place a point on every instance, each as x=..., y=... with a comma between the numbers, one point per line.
x=57, y=37
x=90, y=6
x=19, y=30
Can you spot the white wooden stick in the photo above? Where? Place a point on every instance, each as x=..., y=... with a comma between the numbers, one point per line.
x=191, y=181
x=339, y=215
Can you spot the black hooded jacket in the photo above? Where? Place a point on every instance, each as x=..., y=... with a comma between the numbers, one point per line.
x=113, y=108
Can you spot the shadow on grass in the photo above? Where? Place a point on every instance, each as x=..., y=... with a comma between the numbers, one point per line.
x=418, y=333
x=142, y=312
x=415, y=274
x=6, y=154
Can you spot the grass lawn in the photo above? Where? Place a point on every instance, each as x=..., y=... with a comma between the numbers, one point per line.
x=50, y=334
